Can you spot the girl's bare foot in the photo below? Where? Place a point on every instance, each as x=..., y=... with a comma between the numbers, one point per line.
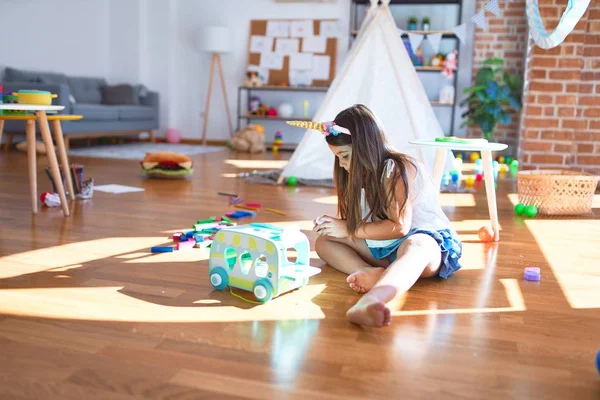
x=362, y=281
x=370, y=312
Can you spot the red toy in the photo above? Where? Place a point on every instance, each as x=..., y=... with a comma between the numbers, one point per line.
x=486, y=234
x=272, y=112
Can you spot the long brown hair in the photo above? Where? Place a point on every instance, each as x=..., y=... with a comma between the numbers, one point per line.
x=370, y=150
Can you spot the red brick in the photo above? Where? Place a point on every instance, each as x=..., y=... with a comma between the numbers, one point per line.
x=583, y=136
x=592, y=112
x=568, y=50
x=544, y=62
x=595, y=124
x=549, y=111
x=566, y=112
x=536, y=146
x=594, y=26
x=546, y=159
x=538, y=74
x=546, y=86
x=570, y=62
x=580, y=25
x=531, y=134
x=590, y=76
x=557, y=135
x=496, y=29
x=572, y=88
x=588, y=160
x=563, y=148
x=555, y=51
x=585, y=148
x=533, y=110
x=579, y=112
x=544, y=99
x=548, y=12
x=570, y=75
x=589, y=101
x=591, y=51
x=586, y=88
x=576, y=38
x=594, y=13
x=541, y=123
x=566, y=99
x=574, y=123
x=591, y=39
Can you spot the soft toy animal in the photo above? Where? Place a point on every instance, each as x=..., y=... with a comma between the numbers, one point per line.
x=250, y=139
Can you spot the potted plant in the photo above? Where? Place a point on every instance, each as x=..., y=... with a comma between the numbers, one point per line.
x=412, y=23
x=492, y=98
x=425, y=23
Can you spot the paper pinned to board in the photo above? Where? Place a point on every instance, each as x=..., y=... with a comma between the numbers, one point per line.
x=287, y=47
x=330, y=29
x=300, y=77
x=278, y=28
x=314, y=44
x=320, y=67
x=271, y=61
x=301, y=61
x=302, y=28
x=261, y=44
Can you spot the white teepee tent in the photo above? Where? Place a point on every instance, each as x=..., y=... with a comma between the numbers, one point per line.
x=379, y=74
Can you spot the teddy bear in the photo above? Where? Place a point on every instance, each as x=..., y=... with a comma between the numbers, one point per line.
x=450, y=63
x=250, y=139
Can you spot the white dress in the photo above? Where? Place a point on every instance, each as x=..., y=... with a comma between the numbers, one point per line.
x=427, y=211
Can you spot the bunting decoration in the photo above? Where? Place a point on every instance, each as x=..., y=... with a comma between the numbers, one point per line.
x=461, y=32
x=480, y=20
x=415, y=40
x=434, y=40
x=493, y=7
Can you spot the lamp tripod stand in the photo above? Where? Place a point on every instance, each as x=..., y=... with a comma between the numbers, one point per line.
x=215, y=59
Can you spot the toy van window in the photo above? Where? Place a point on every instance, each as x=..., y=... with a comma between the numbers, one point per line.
x=246, y=262
x=230, y=257
x=261, y=267
x=291, y=255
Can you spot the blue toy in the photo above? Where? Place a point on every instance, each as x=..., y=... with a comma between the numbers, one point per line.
x=241, y=214
x=598, y=361
x=161, y=249
x=254, y=258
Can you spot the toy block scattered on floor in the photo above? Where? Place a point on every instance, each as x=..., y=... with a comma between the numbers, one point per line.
x=162, y=249
x=188, y=244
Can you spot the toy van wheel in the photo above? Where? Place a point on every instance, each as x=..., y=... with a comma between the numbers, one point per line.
x=219, y=278
x=263, y=290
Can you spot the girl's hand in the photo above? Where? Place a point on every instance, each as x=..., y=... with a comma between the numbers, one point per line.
x=330, y=226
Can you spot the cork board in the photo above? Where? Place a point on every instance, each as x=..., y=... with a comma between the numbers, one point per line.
x=281, y=77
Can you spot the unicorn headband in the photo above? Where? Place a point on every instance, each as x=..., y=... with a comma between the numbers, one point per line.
x=326, y=128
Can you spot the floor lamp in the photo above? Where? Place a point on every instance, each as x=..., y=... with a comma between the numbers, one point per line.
x=215, y=40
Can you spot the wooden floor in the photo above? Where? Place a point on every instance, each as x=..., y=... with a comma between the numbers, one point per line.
x=86, y=312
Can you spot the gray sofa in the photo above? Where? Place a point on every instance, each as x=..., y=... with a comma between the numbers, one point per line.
x=84, y=96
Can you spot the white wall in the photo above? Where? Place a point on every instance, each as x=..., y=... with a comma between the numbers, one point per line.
x=37, y=35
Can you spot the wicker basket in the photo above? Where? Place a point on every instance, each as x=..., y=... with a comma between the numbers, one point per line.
x=557, y=192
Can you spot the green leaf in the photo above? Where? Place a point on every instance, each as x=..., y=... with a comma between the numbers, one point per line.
x=494, y=62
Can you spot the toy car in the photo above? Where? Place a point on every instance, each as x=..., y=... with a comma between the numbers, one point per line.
x=254, y=258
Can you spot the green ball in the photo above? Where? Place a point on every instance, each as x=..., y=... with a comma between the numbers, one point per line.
x=292, y=181
x=514, y=164
x=520, y=209
x=531, y=211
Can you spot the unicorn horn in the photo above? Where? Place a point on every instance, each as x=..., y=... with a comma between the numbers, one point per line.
x=318, y=126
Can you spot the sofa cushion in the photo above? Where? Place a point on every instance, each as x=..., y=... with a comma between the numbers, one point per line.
x=118, y=94
x=20, y=75
x=136, y=112
x=87, y=90
x=96, y=111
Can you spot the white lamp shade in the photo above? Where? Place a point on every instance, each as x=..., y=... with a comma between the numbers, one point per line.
x=214, y=39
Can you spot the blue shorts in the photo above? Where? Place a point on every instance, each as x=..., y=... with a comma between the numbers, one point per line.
x=450, y=246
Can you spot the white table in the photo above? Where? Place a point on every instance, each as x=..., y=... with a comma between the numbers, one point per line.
x=488, y=170
x=31, y=154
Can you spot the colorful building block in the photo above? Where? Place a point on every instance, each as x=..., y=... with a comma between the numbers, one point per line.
x=188, y=244
x=161, y=249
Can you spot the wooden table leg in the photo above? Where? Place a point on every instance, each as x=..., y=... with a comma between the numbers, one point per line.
x=62, y=153
x=32, y=164
x=1, y=130
x=45, y=130
x=438, y=167
x=490, y=190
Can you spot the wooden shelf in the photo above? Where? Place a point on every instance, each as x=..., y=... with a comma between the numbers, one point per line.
x=288, y=88
x=285, y=147
x=261, y=117
x=445, y=34
x=438, y=104
x=401, y=2
x=429, y=68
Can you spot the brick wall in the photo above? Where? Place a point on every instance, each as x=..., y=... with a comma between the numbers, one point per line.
x=560, y=123
x=506, y=38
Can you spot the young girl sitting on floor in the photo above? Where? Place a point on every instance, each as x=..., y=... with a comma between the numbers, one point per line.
x=391, y=229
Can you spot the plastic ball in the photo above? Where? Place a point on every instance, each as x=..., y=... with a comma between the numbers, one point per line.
x=474, y=157
x=503, y=168
x=292, y=181
x=501, y=159
x=459, y=155
x=531, y=211
x=454, y=174
x=507, y=160
x=285, y=110
x=469, y=181
x=486, y=234
x=520, y=209
x=446, y=179
x=514, y=164
x=478, y=162
x=479, y=177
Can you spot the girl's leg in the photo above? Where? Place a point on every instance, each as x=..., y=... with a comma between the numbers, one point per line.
x=345, y=255
x=419, y=256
